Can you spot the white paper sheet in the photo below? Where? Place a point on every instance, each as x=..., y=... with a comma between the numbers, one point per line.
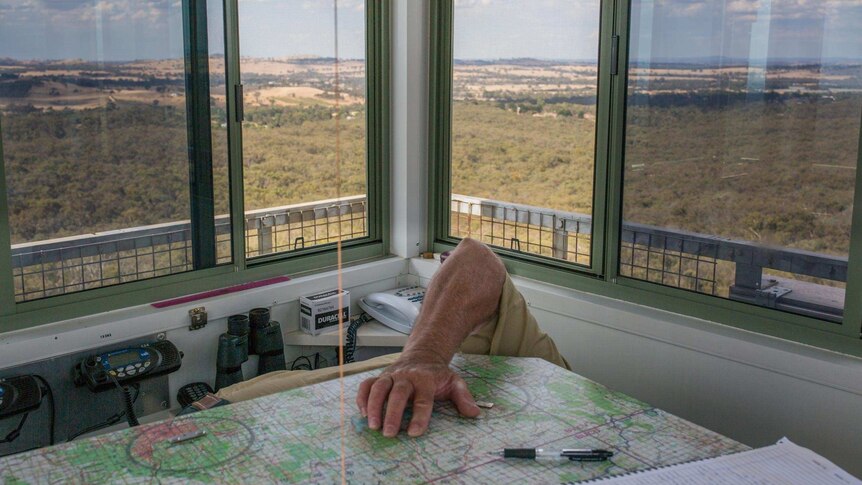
x=781, y=463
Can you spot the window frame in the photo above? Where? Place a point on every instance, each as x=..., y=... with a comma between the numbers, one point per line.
x=605, y=279
x=440, y=145
x=22, y=315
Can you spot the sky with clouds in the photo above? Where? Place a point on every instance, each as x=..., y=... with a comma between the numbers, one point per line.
x=117, y=30
x=756, y=29
x=274, y=28
x=662, y=29
x=484, y=29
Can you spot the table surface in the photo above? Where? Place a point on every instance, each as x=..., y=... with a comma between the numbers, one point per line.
x=296, y=436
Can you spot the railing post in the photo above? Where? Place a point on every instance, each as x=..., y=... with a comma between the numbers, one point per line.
x=265, y=241
x=560, y=245
x=748, y=276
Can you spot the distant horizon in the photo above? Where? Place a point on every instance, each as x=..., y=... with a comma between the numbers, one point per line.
x=159, y=59
x=693, y=60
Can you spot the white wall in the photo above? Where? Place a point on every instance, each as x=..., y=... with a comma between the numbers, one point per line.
x=750, y=387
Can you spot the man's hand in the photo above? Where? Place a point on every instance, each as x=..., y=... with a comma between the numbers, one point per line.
x=421, y=378
x=463, y=295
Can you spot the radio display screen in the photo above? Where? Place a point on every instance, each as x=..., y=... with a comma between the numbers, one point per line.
x=124, y=359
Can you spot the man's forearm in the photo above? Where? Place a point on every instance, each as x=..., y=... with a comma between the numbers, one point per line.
x=462, y=297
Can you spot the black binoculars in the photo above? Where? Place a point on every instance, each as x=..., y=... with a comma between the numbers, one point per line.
x=248, y=334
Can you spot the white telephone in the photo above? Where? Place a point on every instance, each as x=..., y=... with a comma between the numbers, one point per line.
x=397, y=309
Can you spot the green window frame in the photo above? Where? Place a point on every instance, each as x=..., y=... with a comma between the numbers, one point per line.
x=20, y=315
x=440, y=144
x=603, y=277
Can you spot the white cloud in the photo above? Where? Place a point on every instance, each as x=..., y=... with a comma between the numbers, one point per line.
x=472, y=3
x=71, y=12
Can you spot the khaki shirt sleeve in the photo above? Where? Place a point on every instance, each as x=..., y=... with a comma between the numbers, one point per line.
x=515, y=333
x=284, y=380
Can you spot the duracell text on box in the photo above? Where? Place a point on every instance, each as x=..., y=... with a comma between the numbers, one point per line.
x=319, y=313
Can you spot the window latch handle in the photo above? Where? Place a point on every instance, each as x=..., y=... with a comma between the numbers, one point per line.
x=238, y=100
x=615, y=52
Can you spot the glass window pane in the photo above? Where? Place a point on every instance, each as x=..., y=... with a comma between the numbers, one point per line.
x=95, y=142
x=293, y=112
x=741, y=149
x=524, y=124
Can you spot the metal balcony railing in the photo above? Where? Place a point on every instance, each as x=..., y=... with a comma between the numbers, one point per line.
x=740, y=270
x=736, y=269
x=536, y=230
x=77, y=263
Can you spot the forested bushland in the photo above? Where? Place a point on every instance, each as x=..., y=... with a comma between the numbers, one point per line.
x=778, y=172
x=289, y=155
x=500, y=154
x=72, y=172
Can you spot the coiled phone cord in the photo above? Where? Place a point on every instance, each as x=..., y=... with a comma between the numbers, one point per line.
x=128, y=403
x=350, y=339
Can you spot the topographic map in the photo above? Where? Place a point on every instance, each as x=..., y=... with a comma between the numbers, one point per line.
x=296, y=437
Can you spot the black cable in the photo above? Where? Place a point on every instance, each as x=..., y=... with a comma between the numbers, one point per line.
x=25, y=450
x=114, y=419
x=128, y=403
x=296, y=366
x=350, y=339
x=15, y=433
x=50, y=394
x=130, y=407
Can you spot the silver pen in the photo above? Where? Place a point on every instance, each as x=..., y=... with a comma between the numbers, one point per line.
x=187, y=436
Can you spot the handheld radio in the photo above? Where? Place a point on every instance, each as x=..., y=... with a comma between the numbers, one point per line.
x=128, y=365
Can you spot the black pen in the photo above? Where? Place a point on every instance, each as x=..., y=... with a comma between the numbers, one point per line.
x=572, y=454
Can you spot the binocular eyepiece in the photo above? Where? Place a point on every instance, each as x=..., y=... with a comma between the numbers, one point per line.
x=266, y=341
x=248, y=334
x=232, y=352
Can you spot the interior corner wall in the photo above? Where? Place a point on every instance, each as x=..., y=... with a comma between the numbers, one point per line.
x=409, y=120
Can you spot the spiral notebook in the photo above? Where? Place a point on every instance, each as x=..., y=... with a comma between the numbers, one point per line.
x=781, y=463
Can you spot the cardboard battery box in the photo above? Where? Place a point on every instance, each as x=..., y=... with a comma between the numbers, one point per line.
x=319, y=313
